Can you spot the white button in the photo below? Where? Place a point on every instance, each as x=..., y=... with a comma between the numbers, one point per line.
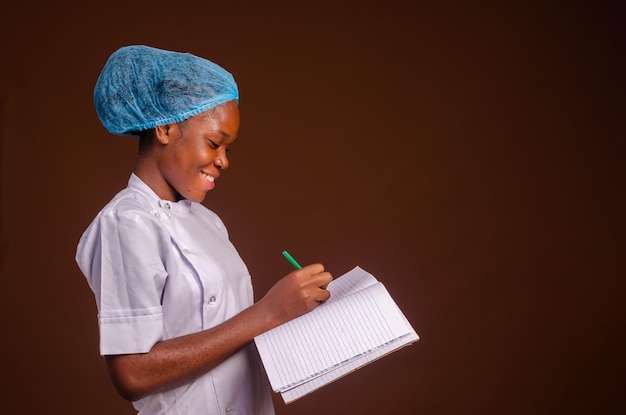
x=167, y=206
x=156, y=214
x=212, y=300
x=185, y=251
x=229, y=410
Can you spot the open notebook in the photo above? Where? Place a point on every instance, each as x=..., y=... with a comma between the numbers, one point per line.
x=357, y=325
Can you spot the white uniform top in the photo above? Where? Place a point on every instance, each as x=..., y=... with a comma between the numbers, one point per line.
x=162, y=269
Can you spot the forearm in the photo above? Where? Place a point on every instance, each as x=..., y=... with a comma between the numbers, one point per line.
x=179, y=360
x=176, y=361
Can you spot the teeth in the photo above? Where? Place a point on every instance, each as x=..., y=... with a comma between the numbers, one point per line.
x=209, y=178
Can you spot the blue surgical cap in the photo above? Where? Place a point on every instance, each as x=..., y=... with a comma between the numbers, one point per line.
x=141, y=87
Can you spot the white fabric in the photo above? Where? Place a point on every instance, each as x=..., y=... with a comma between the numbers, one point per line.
x=159, y=270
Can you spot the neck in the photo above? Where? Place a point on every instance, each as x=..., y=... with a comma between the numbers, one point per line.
x=146, y=168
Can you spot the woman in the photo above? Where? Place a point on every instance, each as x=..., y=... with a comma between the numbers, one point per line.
x=175, y=301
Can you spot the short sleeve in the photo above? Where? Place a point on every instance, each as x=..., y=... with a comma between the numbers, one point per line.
x=123, y=256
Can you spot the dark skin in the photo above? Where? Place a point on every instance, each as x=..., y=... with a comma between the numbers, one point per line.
x=183, y=161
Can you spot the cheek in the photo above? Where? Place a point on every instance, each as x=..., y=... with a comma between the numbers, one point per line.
x=192, y=155
x=204, y=155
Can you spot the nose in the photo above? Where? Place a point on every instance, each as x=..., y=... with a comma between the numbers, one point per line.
x=221, y=161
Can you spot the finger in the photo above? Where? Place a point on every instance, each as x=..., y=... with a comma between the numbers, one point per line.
x=324, y=295
x=313, y=268
x=322, y=279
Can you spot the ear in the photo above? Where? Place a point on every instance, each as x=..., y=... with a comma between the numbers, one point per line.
x=163, y=133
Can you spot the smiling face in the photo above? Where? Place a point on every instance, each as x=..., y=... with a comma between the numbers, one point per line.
x=188, y=157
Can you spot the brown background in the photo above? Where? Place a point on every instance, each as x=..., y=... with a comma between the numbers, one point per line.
x=470, y=156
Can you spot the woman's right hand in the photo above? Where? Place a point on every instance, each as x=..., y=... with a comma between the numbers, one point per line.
x=296, y=294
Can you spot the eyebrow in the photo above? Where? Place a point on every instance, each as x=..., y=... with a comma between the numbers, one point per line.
x=224, y=133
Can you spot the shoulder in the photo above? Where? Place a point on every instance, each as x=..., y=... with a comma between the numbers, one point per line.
x=129, y=210
x=129, y=203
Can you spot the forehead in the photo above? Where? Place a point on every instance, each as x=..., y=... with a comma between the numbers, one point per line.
x=223, y=119
x=228, y=109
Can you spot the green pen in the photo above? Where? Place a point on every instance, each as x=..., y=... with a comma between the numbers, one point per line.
x=292, y=260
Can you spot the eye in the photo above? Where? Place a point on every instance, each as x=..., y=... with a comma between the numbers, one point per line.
x=213, y=144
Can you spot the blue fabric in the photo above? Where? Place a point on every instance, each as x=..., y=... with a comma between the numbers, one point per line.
x=142, y=87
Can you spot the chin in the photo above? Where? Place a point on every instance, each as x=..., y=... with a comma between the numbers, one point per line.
x=197, y=194
x=192, y=197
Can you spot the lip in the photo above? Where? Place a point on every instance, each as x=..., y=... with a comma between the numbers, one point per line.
x=209, y=179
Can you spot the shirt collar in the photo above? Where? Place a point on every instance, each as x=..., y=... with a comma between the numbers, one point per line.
x=181, y=207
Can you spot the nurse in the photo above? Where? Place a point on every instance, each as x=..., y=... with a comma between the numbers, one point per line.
x=175, y=303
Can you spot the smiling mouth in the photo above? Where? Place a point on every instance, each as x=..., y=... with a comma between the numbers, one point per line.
x=208, y=177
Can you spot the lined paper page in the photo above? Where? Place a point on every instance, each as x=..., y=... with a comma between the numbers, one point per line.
x=332, y=334
x=350, y=282
x=305, y=388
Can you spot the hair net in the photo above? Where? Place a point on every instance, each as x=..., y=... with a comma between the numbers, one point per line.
x=141, y=87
